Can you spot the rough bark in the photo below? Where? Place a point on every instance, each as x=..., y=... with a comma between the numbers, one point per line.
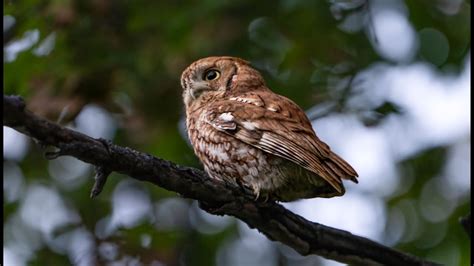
x=270, y=218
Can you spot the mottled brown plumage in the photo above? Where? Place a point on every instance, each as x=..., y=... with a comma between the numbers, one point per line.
x=246, y=134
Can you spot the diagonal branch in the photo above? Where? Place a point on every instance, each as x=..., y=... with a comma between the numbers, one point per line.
x=270, y=218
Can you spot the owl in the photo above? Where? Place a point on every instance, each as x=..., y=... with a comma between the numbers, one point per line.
x=246, y=135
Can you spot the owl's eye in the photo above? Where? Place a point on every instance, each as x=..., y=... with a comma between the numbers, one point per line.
x=211, y=75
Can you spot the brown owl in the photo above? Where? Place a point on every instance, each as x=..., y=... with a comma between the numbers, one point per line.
x=248, y=135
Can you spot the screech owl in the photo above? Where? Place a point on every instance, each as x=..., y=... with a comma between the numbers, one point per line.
x=246, y=134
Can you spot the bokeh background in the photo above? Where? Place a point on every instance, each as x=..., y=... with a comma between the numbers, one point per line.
x=386, y=84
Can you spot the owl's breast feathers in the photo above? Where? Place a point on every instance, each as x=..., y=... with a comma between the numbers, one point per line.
x=276, y=125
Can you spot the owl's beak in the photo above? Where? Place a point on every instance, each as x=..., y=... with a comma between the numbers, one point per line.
x=197, y=88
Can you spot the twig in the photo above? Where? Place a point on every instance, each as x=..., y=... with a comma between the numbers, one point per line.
x=101, y=175
x=270, y=218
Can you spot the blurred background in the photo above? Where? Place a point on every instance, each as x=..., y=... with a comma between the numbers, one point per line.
x=385, y=83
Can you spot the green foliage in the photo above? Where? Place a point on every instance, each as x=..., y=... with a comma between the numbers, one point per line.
x=127, y=57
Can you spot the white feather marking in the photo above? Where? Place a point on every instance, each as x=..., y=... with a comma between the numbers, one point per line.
x=242, y=151
x=201, y=146
x=218, y=152
x=226, y=117
x=247, y=100
x=249, y=125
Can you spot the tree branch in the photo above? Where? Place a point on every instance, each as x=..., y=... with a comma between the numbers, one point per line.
x=270, y=218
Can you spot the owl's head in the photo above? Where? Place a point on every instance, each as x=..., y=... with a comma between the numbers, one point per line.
x=217, y=76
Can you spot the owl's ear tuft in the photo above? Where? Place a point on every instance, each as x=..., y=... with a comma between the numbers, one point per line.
x=233, y=59
x=242, y=61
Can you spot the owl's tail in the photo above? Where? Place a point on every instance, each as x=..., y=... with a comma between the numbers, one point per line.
x=341, y=168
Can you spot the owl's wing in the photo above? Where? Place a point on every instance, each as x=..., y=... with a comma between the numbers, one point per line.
x=276, y=125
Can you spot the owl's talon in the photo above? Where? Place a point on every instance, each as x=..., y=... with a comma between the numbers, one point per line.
x=257, y=195
x=263, y=199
